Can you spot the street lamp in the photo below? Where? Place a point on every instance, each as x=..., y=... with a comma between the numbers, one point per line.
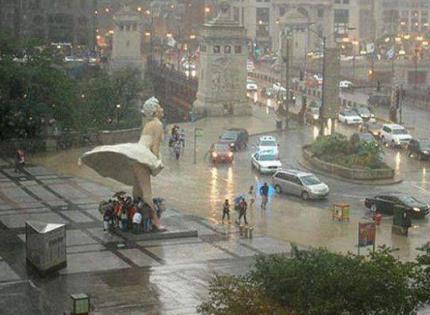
x=118, y=107
x=286, y=55
x=323, y=84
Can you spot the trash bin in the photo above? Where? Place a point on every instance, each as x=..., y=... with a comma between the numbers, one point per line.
x=45, y=245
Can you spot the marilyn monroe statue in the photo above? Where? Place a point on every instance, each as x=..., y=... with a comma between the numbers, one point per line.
x=133, y=163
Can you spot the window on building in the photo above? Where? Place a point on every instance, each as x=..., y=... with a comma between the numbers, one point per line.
x=203, y=48
x=345, y=1
x=337, y=1
x=320, y=12
x=237, y=49
x=82, y=3
x=341, y=21
x=227, y=49
x=217, y=49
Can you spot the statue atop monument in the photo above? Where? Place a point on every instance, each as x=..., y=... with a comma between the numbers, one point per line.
x=133, y=164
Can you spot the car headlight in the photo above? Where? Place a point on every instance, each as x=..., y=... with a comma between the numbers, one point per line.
x=426, y=152
x=315, y=116
x=230, y=154
x=416, y=209
x=232, y=144
x=214, y=154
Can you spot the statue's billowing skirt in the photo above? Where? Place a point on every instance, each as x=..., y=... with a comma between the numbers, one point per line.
x=116, y=161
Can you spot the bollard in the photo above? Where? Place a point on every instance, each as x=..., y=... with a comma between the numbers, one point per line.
x=250, y=232
x=241, y=230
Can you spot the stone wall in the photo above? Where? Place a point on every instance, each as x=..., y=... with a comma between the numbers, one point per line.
x=52, y=143
x=345, y=172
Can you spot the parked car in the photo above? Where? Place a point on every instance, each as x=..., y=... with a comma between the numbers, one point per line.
x=266, y=162
x=220, y=152
x=365, y=114
x=349, y=117
x=267, y=143
x=251, y=85
x=419, y=148
x=385, y=203
x=236, y=138
x=303, y=184
x=394, y=135
x=344, y=84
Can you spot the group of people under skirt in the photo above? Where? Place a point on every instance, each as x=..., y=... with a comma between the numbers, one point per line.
x=128, y=214
x=241, y=204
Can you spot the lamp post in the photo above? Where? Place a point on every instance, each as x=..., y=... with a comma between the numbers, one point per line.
x=118, y=107
x=286, y=54
x=323, y=83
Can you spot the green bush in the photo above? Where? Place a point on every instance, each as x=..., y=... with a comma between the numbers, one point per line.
x=337, y=149
x=318, y=282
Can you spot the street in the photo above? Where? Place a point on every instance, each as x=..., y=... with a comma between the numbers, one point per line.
x=287, y=218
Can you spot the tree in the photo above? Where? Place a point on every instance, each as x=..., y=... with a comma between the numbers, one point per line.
x=110, y=99
x=33, y=88
x=229, y=295
x=320, y=282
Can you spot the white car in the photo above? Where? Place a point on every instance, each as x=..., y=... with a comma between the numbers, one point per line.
x=277, y=87
x=266, y=162
x=251, y=85
x=349, y=117
x=394, y=135
x=318, y=78
x=250, y=66
x=344, y=84
x=267, y=143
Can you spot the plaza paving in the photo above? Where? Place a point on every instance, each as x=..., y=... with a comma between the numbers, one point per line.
x=122, y=276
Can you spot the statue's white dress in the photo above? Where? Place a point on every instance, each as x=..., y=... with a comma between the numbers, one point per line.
x=115, y=161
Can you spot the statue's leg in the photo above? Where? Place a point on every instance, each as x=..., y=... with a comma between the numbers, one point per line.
x=142, y=188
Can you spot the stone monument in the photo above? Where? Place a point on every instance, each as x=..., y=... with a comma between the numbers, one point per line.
x=222, y=72
x=127, y=40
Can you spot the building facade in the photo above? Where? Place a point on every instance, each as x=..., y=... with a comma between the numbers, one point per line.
x=410, y=16
x=65, y=21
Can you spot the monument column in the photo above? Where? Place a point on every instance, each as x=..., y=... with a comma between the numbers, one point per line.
x=222, y=71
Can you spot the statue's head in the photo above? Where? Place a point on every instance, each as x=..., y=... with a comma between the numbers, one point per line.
x=152, y=108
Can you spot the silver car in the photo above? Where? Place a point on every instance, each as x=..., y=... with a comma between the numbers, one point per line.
x=299, y=183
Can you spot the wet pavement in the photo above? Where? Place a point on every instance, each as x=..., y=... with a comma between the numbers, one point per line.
x=170, y=277
x=200, y=188
x=122, y=276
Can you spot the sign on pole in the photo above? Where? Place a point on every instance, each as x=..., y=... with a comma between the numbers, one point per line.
x=366, y=235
